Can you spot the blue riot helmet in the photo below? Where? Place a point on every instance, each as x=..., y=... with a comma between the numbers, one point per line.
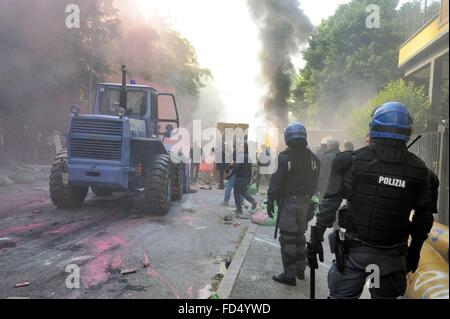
x=295, y=131
x=391, y=120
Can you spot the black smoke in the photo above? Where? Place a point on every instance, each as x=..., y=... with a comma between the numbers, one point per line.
x=283, y=28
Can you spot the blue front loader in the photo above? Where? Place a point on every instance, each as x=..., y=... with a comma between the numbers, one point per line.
x=120, y=149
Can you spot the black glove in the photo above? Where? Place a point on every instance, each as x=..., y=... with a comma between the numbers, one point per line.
x=314, y=247
x=413, y=256
x=312, y=210
x=270, y=208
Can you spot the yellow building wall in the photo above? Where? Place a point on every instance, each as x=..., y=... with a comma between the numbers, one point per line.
x=431, y=32
x=431, y=280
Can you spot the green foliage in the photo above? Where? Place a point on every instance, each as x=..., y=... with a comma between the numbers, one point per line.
x=401, y=91
x=346, y=62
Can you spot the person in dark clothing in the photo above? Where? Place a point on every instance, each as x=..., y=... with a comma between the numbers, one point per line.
x=221, y=167
x=263, y=161
x=243, y=173
x=292, y=186
x=382, y=183
x=434, y=183
x=326, y=160
x=348, y=146
x=195, y=162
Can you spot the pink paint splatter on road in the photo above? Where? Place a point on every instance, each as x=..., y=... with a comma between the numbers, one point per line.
x=108, y=256
x=202, y=203
x=11, y=202
x=189, y=292
x=153, y=273
x=67, y=228
x=21, y=229
x=184, y=219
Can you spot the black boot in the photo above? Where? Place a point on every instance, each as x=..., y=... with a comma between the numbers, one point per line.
x=284, y=280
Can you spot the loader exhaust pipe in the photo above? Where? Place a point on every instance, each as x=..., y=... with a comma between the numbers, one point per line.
x=123, y=90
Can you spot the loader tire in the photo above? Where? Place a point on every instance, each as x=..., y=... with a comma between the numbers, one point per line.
x=64, y=195
x=101, y=192
x=178, y=182
x=158, y=185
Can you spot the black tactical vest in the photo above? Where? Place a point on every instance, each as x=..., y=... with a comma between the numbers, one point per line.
x=385, y=186
x=303, y=170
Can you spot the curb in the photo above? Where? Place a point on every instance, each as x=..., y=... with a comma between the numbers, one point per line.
x=227, y=283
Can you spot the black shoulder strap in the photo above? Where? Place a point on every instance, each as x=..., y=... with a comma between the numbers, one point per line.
x=365, y=169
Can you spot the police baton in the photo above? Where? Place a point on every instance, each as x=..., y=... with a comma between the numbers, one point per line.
x=414, y=142
x=312, y=263
x=277, y=224
x=312, y=283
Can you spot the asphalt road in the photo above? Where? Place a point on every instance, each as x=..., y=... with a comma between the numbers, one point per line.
x=108, y=236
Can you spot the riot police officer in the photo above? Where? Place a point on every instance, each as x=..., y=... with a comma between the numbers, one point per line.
x=292, y=187
x=382, y=183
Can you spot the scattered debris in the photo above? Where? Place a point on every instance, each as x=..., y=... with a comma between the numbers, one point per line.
x=37, y=211
x=7, y=244
x=146, y=264
x=5, y=181
x=228, y=261
x=22, y=284
x=214, y=296
x=205, y=292
x=222, y=270
x=261, y=218
x=215, y=284
x=237, y=224
x=129, y=271
x=218, y=277
x=189, y=210
x=20, y=174
x=228, y=218
x=243, y=216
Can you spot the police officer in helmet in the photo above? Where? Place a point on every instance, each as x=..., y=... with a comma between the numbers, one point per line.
x=382, y=183
x=292, y=187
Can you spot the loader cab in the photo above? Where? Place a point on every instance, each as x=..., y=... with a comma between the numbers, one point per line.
x=143, y=103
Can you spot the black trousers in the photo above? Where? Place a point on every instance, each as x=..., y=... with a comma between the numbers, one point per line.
x=221, y=176
x=389, y=274
x=293, y=225
x=240, y=190
x=194, y=172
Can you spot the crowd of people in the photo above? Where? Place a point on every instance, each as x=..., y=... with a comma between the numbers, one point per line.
x=238, y=175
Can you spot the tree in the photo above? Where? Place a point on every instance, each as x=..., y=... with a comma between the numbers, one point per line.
x=46, y=67
x=346, y=62
x=157, y=53
x=401, y=91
